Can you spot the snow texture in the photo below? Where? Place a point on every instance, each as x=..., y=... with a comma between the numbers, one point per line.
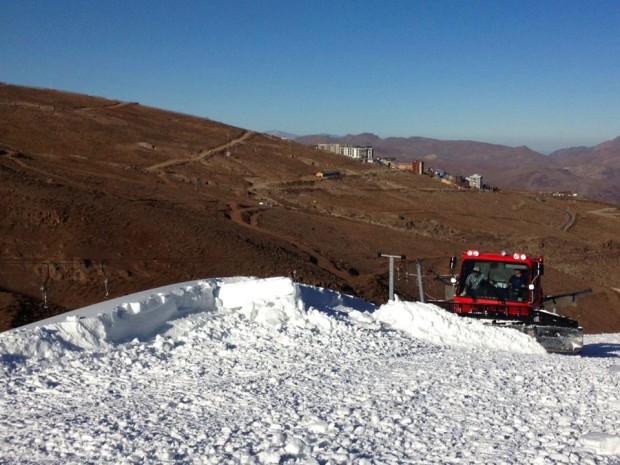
x=267, y=371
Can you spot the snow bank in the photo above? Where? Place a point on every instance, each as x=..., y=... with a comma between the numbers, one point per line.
x=433, y=324
x=273, y=302
x=95, y=327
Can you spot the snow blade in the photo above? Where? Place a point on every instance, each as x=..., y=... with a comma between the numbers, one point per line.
x=555, y=338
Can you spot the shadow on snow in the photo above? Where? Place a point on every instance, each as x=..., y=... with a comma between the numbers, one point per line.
x=601, y=350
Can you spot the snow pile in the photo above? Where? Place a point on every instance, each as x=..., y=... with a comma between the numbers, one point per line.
x=98, y=326
x=266, y=371
x=273, y=302
x=432, y=324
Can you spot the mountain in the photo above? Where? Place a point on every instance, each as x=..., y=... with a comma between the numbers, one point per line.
x=599, y=164
x=589, y=171
x=281, y=134
x=103, y=198
x=266, y=371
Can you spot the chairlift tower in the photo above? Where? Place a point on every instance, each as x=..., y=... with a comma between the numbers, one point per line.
x=391, y=274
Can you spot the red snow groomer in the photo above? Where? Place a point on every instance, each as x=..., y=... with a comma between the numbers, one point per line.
x=506, y=289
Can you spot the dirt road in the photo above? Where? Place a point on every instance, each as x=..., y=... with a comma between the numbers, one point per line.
x=203, y=155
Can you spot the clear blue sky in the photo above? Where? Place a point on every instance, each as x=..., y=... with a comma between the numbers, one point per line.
x=540, y=73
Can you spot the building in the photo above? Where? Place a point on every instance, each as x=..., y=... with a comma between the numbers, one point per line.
x=403, y=166
x=360, y=153
x=416, y=167
x=333, y=148
x=564, y=194
x=327, y=174
x=351, y=151
x=475, y=181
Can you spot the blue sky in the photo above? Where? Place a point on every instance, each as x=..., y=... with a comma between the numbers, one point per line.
x=545, y=74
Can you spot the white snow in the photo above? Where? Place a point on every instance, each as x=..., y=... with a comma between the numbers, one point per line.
x=427, y=323
x=267, y=371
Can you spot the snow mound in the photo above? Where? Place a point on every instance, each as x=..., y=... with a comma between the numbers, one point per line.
x=601, y=443
x=272, y=302
x=433, y=324
x=95, y=327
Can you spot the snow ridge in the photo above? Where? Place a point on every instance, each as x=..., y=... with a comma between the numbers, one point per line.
x=274, y=302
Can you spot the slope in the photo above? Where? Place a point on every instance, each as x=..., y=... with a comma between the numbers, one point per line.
x=600, y=164
x=104, y=198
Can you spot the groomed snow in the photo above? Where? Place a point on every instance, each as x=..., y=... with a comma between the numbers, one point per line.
x=266, y=371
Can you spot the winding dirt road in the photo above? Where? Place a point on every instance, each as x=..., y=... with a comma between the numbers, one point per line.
x=247, y=217
x=203, y=155
x=570, y=216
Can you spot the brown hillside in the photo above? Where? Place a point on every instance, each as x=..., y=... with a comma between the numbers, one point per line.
x=95, y=190
x=599, y=164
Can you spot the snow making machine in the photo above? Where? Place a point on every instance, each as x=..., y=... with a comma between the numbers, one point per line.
x=506, y=289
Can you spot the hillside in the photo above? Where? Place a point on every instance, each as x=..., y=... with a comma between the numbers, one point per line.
x=599, y=164
x=590, y=171
x=103, y=198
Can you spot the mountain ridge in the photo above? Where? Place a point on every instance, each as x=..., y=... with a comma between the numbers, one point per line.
x=591, y=171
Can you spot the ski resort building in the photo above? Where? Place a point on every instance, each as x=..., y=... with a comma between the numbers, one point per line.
x=363, y=153
x=475, y=181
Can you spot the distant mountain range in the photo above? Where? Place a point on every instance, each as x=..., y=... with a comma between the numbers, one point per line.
x=590, y=171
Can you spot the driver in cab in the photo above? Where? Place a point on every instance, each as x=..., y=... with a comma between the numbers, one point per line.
x=474, y=281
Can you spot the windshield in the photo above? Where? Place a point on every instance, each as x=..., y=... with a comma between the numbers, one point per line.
x=495, y=280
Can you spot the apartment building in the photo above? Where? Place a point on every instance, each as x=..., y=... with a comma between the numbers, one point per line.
x=351, y=151
x=475, y=180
